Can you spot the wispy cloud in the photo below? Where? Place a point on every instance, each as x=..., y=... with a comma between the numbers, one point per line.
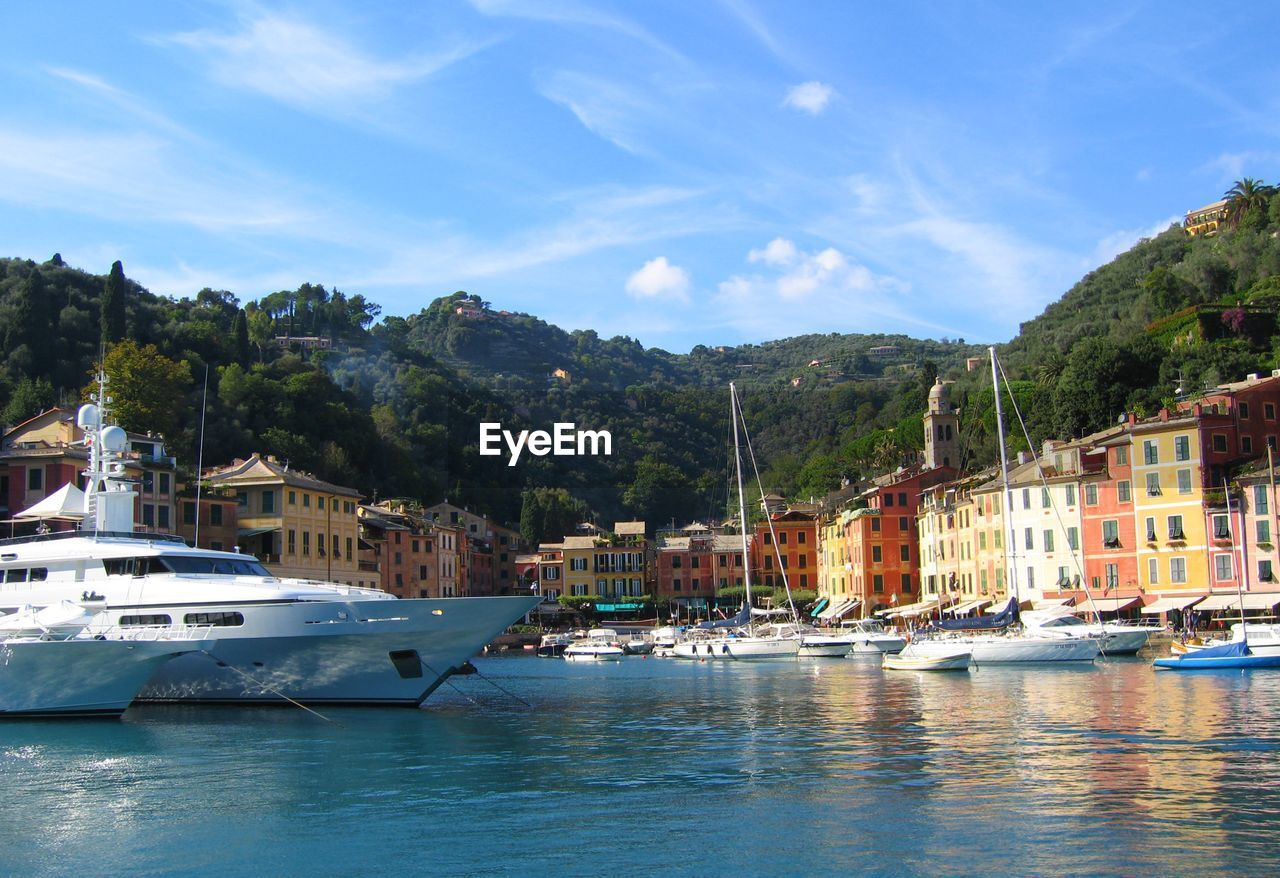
x=118, y=98
x=606, y=108
x=659, y=279
x=810, y=97
x=298, y=63
x=571, y=13
x=1121, y=240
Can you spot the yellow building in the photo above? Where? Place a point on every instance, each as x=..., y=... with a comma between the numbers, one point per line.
x=296, y=524
x=607, y=565
x=989, y=536
x=833, y=559
x=1168, y=499
x=1205, y=220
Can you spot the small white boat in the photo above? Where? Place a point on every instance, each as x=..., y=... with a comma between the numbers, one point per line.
x=870, y=636
x=600, y=645
x=1264, y=639
x=664, y=640
x=554, y=645
x=956, y=659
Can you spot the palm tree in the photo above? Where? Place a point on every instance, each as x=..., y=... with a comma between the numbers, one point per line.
x=1245, y=195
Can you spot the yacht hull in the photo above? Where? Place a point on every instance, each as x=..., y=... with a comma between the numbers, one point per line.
x=1013, y=650
x=336, y=652
x=80, y=678
x=738, y=648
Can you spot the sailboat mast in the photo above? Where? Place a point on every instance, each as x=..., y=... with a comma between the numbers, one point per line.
x=1011, y=541
x=1231, y=532
x=742, y=503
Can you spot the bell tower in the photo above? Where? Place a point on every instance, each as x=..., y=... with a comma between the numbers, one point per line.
x=941, y=429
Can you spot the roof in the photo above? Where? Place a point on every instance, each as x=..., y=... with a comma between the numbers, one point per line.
x=578, y=543
x=675, y=544
x=628, y=528
x=258, y=470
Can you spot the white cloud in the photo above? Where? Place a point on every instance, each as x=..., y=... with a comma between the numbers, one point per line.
x=1119, y=241
x=659, y=279
x=606, y=109
x=298, y=63
x=779, y=251
x=811, y=97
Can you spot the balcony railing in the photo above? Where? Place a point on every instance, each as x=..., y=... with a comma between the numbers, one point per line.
x=368, y=566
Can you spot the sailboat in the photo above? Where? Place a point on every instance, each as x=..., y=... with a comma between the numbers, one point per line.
x=736, y=638
x=1235, y=654
x=994, y=638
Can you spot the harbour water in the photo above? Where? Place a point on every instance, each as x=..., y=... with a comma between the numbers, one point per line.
x=668, y=768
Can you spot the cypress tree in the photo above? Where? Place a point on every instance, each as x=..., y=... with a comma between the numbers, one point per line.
x=113, y=319
x=240, y=337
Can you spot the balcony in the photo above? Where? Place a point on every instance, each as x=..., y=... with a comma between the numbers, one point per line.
x=368, y=566
x=268, y=558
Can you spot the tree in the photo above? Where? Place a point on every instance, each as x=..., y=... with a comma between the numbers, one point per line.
x=1245, y=196
x=114, y=314
x=29, y=398
x=147, y=388
x=548, y=514
x=240, y=337
x=659, y=492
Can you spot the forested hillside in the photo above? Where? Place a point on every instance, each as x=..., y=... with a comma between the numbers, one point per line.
x=393, y=405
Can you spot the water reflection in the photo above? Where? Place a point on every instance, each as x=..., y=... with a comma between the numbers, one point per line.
x=1079, y=770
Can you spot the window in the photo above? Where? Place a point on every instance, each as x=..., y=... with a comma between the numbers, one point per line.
x=1264, y=572
x=35, y=479
x=1048, y=541
x=216, y=619
x=164, y=484
x=1246, y=445
x=1071, y=495
x=1177, y=570
x=903, y=526
x=1181, y=447
x=1175, y=528
x=1260, y=500
x=1122, y=456
x=242, y=499
x=1222, y=567
x=1150, y=452
x=905, y=552
x=148, y=515
x=1031, y=577
x=306, y=501
x=902, y=498
x=801, y=562
x=1221, y=528
x=1123, y=492
x=188, y=513
x=875, y=555
x=320, y=543
x=144, y=620
x=782, y=538
x=1153, y=484
x=293, y=542
x=1073, y=538
x=306, y=541
x=1113, y=575
x=1111, y=533
x=215, y=514
x=801, y=538
x=1244, y=410
x=877, y=584
x=1151, y=529
x=1028, y=540
x=1045, y=500
x=336, y=552
x=875, y=525
x=293, y=498
x=888, y=500
x=1219, y=442
x=1064, y=578
x=148, y=482
x=1026, y=498
x=1269, y=411
x=982, y=540
x=320, y=503
x=1153, y=570
x=162, y=517
x=906, y=583
x=268, y=501
x=1264, y=531
x=1184, y=481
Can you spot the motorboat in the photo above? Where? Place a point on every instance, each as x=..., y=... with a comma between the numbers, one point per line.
x=735, y=644
x=600, y=645
x=814, y=642
x=1263, y=638
x=664, y=640
x=1236, y=655
x=553, y=645
x=870, y=636
x=1117, y=638
x=912, y=659
x=91, y=672
x=273, y=638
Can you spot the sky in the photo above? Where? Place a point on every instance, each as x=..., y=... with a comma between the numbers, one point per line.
x=708, y=172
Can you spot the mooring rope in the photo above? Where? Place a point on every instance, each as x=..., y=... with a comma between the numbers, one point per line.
x=449, y=680
x=274, y=691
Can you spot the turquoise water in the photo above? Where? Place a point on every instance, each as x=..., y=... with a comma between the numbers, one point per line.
x=666, y=768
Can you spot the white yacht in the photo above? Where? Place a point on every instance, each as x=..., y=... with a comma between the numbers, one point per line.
x=1117, y=638
x=870, y=636
x=305, y=640
x=600, y=645
x=54, y=665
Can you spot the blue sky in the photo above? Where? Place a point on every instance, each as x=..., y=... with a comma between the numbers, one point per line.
x=712, y=172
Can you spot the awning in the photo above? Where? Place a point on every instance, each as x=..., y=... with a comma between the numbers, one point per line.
x=837, y=609
x=846, y=608
x=1252, y=601
x=821, y=605
x=1050, y=603
x=1164, y=605
x=66, y=502
x=1107, y=605
x=968, y=607
x=914, y=609
x=246, y=532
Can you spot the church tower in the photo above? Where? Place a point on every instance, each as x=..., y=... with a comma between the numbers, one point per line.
x=941, y=429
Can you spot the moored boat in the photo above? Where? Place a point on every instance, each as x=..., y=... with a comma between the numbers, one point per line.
x=1236, y=655
x=600, y=645
x=870, y=636
x=909, y=659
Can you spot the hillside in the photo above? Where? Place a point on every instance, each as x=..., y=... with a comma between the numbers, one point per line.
x=393, y=405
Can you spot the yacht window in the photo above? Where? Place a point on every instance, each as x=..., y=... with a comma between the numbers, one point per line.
x=39, y=574
x=225, y=566
x=15, y=575
x=221, y=620
x=156, y=619
x=144, y=566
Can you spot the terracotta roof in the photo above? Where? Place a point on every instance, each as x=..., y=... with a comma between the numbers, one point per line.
x=628, y=528
x=258, y=470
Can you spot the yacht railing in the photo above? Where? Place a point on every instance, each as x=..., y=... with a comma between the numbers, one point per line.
x=109, y=534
